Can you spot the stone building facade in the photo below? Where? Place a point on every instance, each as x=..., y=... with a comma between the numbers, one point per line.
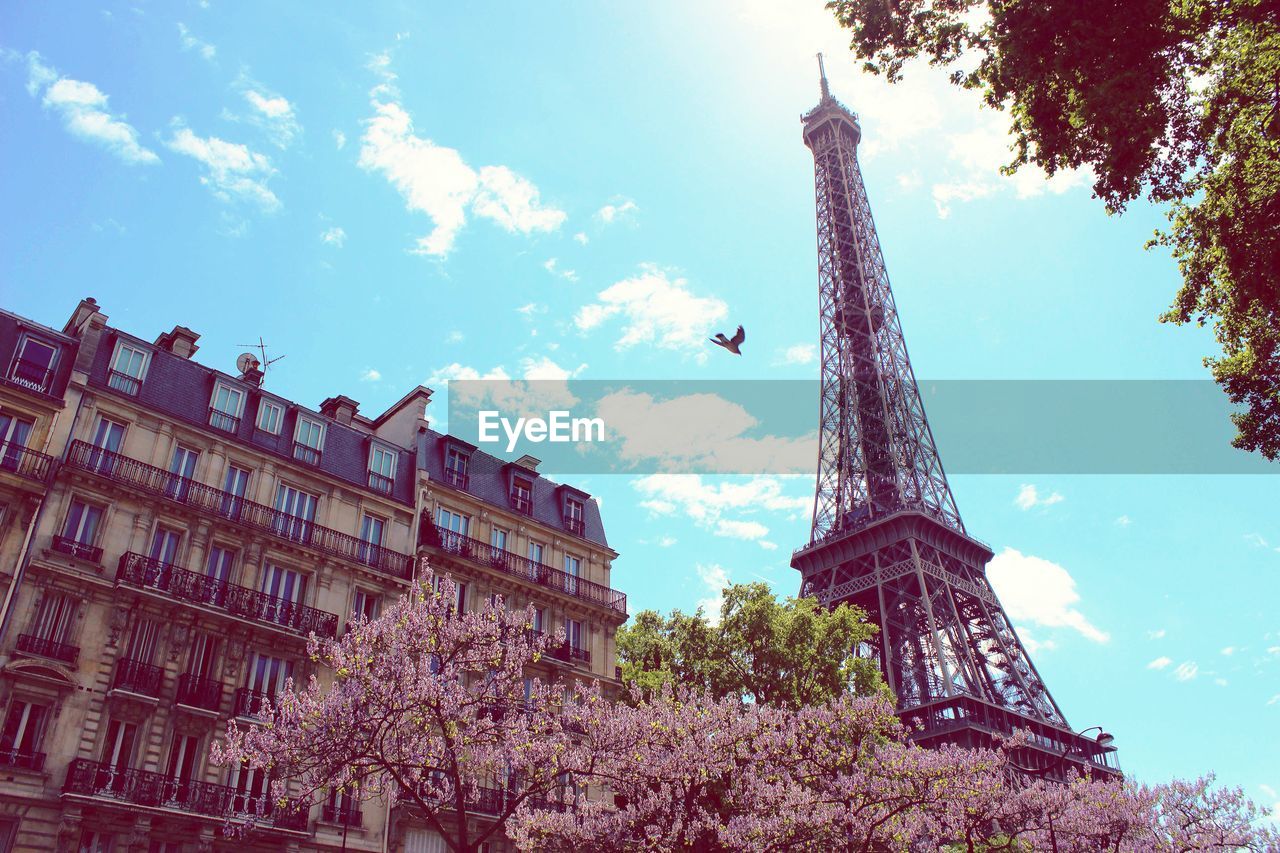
x=171, y=534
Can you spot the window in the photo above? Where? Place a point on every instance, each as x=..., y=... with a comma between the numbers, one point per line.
x=456, y=465
x=182, y=468
x=459, y=590
x=220, y=563
x=226, y=407
x=574, y=517
x=572, y=568
x=23, y=732
x=128, y=368
x=14, y=432
x=450, y=520
x=424, y=841
x=539, y=619
x=364, y=604
x=117, y=751
x=372, y=530
x=266, y=675
x=96, y=842
x=573, y=632
x=33, y=365
x=308, y=440
x=184, y=752
x=203, y=657
x=297, y=512
x=498, y=538
x=343, y=807
x=141, y=645
x=522, y=495
x=535, y=552
x=236, y=485
x=251, y=794
x=382, y=468
x=108, y=435
x=164, y=544
x=53, y=618
x=80, y=531
x=269, y=416
x=286, y=588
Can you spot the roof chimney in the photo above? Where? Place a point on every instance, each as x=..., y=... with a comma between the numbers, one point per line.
x=529, y=462
x=181, y=342
x=340, y=408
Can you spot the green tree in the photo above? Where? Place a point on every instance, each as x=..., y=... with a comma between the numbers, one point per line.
x=787, y=653
x=1179, y=99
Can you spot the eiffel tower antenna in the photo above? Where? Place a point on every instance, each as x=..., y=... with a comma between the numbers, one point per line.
x=886, y=533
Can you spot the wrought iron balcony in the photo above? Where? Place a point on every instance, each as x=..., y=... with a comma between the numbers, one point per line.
x=138, y=677
x=21, y=759
x=343, y=815
x=157, y=481
x=569, y=654
x=224, y=421
x=76, y=549
x=30, y=375
x=504, y=561
x=184, y=585
x=32, y=645
x=308, y=455
x=249, y=702
x=124, y=383
x=196, y=692
x=25, y=462
x=382, y=485
x=157, y=790
x=457, y=479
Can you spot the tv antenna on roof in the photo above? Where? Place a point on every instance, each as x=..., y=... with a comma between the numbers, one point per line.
x=260, y=346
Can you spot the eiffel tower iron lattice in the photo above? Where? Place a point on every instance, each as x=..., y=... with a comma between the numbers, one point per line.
x=887, y=535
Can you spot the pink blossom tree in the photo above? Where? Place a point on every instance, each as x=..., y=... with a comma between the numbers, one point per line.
x=428, y=707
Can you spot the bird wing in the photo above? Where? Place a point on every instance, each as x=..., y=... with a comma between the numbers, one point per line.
x=739, y=336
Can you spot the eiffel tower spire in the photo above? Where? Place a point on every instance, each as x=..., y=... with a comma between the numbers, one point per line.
x=886, y=534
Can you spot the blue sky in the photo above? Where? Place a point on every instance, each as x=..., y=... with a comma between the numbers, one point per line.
x=414, y=193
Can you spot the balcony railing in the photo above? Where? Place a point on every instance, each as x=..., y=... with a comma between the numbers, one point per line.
x=382, y=485
x=457, y=479
x=25, y=462
x=157, y=481
x=221, y=420
x=30, y=375
x=80, y=550
x=123, y=382
x=249, y=702
x=196, y=692
x=32, y=645
x=522, y=567
x=522, y=503
x=184, y=585
x=343, y=815
x=138, y=677
x=569, y=654
x=157, y=790
x=308, y=455
x=21, y=759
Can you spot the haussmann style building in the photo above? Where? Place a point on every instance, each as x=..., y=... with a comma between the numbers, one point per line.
x=170, y=535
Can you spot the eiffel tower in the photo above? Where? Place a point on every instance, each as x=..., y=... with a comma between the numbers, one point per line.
x=886, y=535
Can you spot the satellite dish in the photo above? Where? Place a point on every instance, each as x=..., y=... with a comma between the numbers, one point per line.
x=246, y=362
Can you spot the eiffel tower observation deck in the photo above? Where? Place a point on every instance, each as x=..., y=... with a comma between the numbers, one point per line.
x=887, y=535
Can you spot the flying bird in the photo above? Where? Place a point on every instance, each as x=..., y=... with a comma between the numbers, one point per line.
x=731, y=344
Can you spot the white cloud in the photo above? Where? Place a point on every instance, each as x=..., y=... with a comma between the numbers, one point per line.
x=1221, y=682
x=1028, y=497
x=655, y=309
x=458, y=371
x=455, y=337
x=436, y=181
x=1041, y=592
x=1034, y=644
x=1229, y=650
x=552, y=265
x=735, y=529
x=581, y=237
x=1124, y=521
x=1186, y=671
x=83, y=108
x=1160, y=663
x=370, y=375
x=272, y=113
x=531, y=308
x=716, y=579
x=1157, y=634
x=908, y=181
x=611, y=213
x=1256, y=540
x=339, y=139
x=334, y=236
x=545, y=368
x=797, y=354
x=190, y=42
x=707, y=503
x=1272, y=701
x=233, y=171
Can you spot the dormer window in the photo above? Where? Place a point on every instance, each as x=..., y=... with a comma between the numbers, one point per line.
x=457, y=466
x=308, y=440
x=382, y=468
x=33, y=364
x=226, y=407
x=575, y=516
x=522, y=495
x=269, y=416
x=128, y=368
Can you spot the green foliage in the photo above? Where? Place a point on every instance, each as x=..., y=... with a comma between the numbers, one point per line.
x=1180, y=98
x=788, y=654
